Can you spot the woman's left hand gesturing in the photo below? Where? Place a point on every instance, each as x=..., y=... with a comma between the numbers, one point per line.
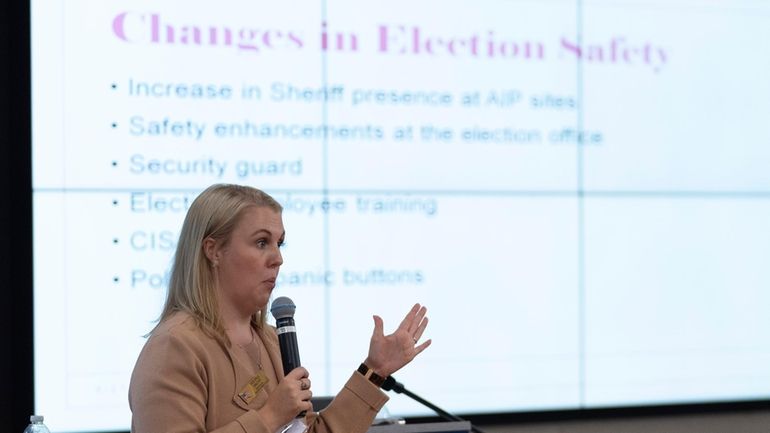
x=388, y=353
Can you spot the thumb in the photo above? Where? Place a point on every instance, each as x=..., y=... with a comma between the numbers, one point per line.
x=378, y=332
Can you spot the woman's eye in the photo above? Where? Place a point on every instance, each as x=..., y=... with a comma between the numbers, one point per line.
x=281, y=243
x=261, y=243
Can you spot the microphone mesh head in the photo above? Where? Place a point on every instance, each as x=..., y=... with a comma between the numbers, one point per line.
x=283, y=307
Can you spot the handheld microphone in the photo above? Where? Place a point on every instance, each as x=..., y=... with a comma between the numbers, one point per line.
x=283, y=310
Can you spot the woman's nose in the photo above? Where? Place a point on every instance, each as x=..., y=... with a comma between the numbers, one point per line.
x=277, y=258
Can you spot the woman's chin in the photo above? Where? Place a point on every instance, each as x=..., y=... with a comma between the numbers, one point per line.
x=262, y=304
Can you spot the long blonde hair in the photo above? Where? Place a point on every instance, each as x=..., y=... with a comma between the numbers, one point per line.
x=192, y=286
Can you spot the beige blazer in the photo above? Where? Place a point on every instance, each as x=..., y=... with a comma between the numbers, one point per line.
x=185, y=381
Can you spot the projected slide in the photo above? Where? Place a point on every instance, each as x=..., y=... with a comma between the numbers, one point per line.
x=578, y=191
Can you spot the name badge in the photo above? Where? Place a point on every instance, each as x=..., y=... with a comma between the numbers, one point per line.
x=250, y=391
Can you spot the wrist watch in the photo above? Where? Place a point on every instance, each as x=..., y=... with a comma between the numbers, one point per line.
x=370, y=375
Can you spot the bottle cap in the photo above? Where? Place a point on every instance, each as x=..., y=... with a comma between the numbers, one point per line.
x=36, y=418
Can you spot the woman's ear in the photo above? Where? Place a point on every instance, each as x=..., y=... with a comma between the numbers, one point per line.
x=212, y=251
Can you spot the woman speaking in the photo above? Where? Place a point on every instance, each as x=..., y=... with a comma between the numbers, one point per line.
x=212, y=364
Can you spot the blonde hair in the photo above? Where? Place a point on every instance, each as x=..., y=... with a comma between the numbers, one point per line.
x=192, y=286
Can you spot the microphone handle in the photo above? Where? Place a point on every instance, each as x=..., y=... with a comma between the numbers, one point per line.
x=287, y=338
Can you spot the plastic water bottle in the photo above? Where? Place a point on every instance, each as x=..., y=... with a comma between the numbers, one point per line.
x=36, y=425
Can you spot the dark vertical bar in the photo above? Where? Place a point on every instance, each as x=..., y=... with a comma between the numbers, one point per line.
x=16, y=362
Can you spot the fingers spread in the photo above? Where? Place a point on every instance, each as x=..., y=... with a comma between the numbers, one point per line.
x=421, y=329
x=407, y=322
x=423, y=346
x=417, y=320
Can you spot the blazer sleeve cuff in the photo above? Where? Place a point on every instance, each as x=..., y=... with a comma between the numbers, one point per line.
x=368, y=392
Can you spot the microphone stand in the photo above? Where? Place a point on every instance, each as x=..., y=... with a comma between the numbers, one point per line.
x=391, y=384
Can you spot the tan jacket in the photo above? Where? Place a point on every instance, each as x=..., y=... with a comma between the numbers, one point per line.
x=185, y=381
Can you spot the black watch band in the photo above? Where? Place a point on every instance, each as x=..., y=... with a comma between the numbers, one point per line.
x=369, y=374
